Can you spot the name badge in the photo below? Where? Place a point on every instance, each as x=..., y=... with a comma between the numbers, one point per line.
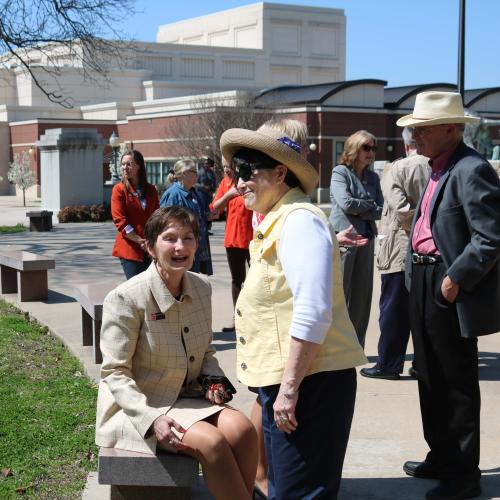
x=157, y=316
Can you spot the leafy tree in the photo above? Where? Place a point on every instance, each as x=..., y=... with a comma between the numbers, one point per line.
x=41, y=36
x=198, y=134
x=20, y=173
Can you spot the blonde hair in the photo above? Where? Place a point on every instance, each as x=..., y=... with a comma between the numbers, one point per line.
x=293, y=129
x=353, y=144
x=179, y=168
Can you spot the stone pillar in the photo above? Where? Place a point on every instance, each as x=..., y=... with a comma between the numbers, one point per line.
x=71, y=167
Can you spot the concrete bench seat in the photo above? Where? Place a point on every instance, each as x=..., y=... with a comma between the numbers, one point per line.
x=25, y=273
x=90, y=297
x=137, y=476
x=40, y=220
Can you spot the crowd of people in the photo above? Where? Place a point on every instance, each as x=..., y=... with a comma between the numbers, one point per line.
x=302, y=315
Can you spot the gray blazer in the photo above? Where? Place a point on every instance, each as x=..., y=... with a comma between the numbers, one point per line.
x=355, y=201
x=465, y=225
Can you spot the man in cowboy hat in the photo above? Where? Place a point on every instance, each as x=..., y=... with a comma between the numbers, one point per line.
x=453, y=271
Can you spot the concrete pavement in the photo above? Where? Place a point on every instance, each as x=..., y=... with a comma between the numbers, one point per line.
x=386, y=429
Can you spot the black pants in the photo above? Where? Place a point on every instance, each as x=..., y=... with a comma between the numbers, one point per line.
x=307, y=464
x=237, y=259
x=448, y=379
x=394, y=322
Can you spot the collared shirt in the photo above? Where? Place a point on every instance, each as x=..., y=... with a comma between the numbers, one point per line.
x=422, y=240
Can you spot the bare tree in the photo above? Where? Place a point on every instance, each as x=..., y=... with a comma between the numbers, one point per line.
x=41, y=36
x=198, y=134
x=20, y=173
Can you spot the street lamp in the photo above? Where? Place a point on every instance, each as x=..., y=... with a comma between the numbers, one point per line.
x=114, y=142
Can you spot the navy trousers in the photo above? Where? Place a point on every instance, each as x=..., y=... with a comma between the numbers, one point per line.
x=133, y=267
x=394, y=323
x=307, y=464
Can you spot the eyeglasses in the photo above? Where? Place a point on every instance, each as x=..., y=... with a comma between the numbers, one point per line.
x=192, y=170
x=367, y=148
x=244, y=171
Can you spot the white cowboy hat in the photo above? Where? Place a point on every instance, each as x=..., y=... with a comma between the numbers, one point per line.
x=436, y=108
x=275, y=144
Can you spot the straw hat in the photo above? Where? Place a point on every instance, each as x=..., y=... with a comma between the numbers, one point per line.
x=275, y=144
x=436, y=108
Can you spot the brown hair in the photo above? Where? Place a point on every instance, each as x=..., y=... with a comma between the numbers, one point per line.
x=163, y=217
x=353, y=145
x=139, y=161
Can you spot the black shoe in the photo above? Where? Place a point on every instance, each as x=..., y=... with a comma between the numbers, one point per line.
x=423, y=470
x=455, y=489
x=374, y=372
x=258, y=494
x=412, y=372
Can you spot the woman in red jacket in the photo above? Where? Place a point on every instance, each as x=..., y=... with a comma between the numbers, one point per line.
x=239, y=231
x=133, y=201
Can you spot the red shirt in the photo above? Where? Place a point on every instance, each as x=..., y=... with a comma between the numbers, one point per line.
x=422, y=240
x=126, y=210
x=239, y=230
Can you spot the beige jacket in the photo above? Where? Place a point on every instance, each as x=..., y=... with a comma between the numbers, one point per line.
x=151, y=343
x=264, y=308
x=402, y=184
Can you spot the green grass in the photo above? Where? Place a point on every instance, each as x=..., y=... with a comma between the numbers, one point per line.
x=18, y=228
x=47, y=414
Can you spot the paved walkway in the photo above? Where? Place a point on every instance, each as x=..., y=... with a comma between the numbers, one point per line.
x=386, y=428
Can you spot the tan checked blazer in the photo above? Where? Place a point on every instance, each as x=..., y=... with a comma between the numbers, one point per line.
x=151, y=343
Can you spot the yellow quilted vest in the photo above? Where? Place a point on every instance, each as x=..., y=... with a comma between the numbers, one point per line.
x=265, y=305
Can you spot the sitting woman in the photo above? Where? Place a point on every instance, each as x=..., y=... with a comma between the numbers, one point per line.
x=158, y=361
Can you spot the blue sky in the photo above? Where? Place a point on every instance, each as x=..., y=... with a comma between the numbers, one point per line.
x=402, y=41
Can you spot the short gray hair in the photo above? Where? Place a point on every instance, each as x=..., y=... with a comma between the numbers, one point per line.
x=407, y=137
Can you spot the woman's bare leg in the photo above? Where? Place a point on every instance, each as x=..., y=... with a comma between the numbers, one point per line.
x=242, y=438
x=220, y=470
x=256, y=418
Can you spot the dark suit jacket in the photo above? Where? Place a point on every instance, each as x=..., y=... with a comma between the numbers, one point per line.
x=465, y=225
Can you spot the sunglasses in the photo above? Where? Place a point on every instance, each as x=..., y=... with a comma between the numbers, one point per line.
x=367, y=148
x=244, y=171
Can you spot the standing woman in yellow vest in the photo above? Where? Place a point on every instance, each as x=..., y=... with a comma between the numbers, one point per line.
x=295, y=342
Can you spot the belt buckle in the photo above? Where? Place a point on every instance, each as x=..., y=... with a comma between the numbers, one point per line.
x=417, y=259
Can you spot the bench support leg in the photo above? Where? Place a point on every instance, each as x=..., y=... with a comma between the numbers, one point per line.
x=8, y=279
x=32, y=286
x=86, y=328
x=97, y=341
x=149, y=493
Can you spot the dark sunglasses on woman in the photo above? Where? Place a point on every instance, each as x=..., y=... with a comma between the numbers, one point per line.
x=366, y=148
x=244, y=171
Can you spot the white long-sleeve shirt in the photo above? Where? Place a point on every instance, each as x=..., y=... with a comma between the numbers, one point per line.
x=305, y=252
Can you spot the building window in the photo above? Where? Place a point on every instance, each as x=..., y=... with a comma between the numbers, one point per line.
x=337, y=151
x=153, y=172
x=157, y=171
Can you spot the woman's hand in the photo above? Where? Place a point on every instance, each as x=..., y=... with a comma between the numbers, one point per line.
x=217, y=394
x=284, y=410
x=163, y=426
x=350, y=238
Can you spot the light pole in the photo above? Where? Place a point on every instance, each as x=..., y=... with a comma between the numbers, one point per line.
x=461, y=48
x=114, y=142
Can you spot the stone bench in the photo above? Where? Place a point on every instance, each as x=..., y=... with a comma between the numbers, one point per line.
x=90, y=298
x=40, y=220
x=137, y=476
x=25, y=273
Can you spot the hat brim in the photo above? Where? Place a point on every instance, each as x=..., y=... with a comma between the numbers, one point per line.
x=411, y=121
x=237, y=138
